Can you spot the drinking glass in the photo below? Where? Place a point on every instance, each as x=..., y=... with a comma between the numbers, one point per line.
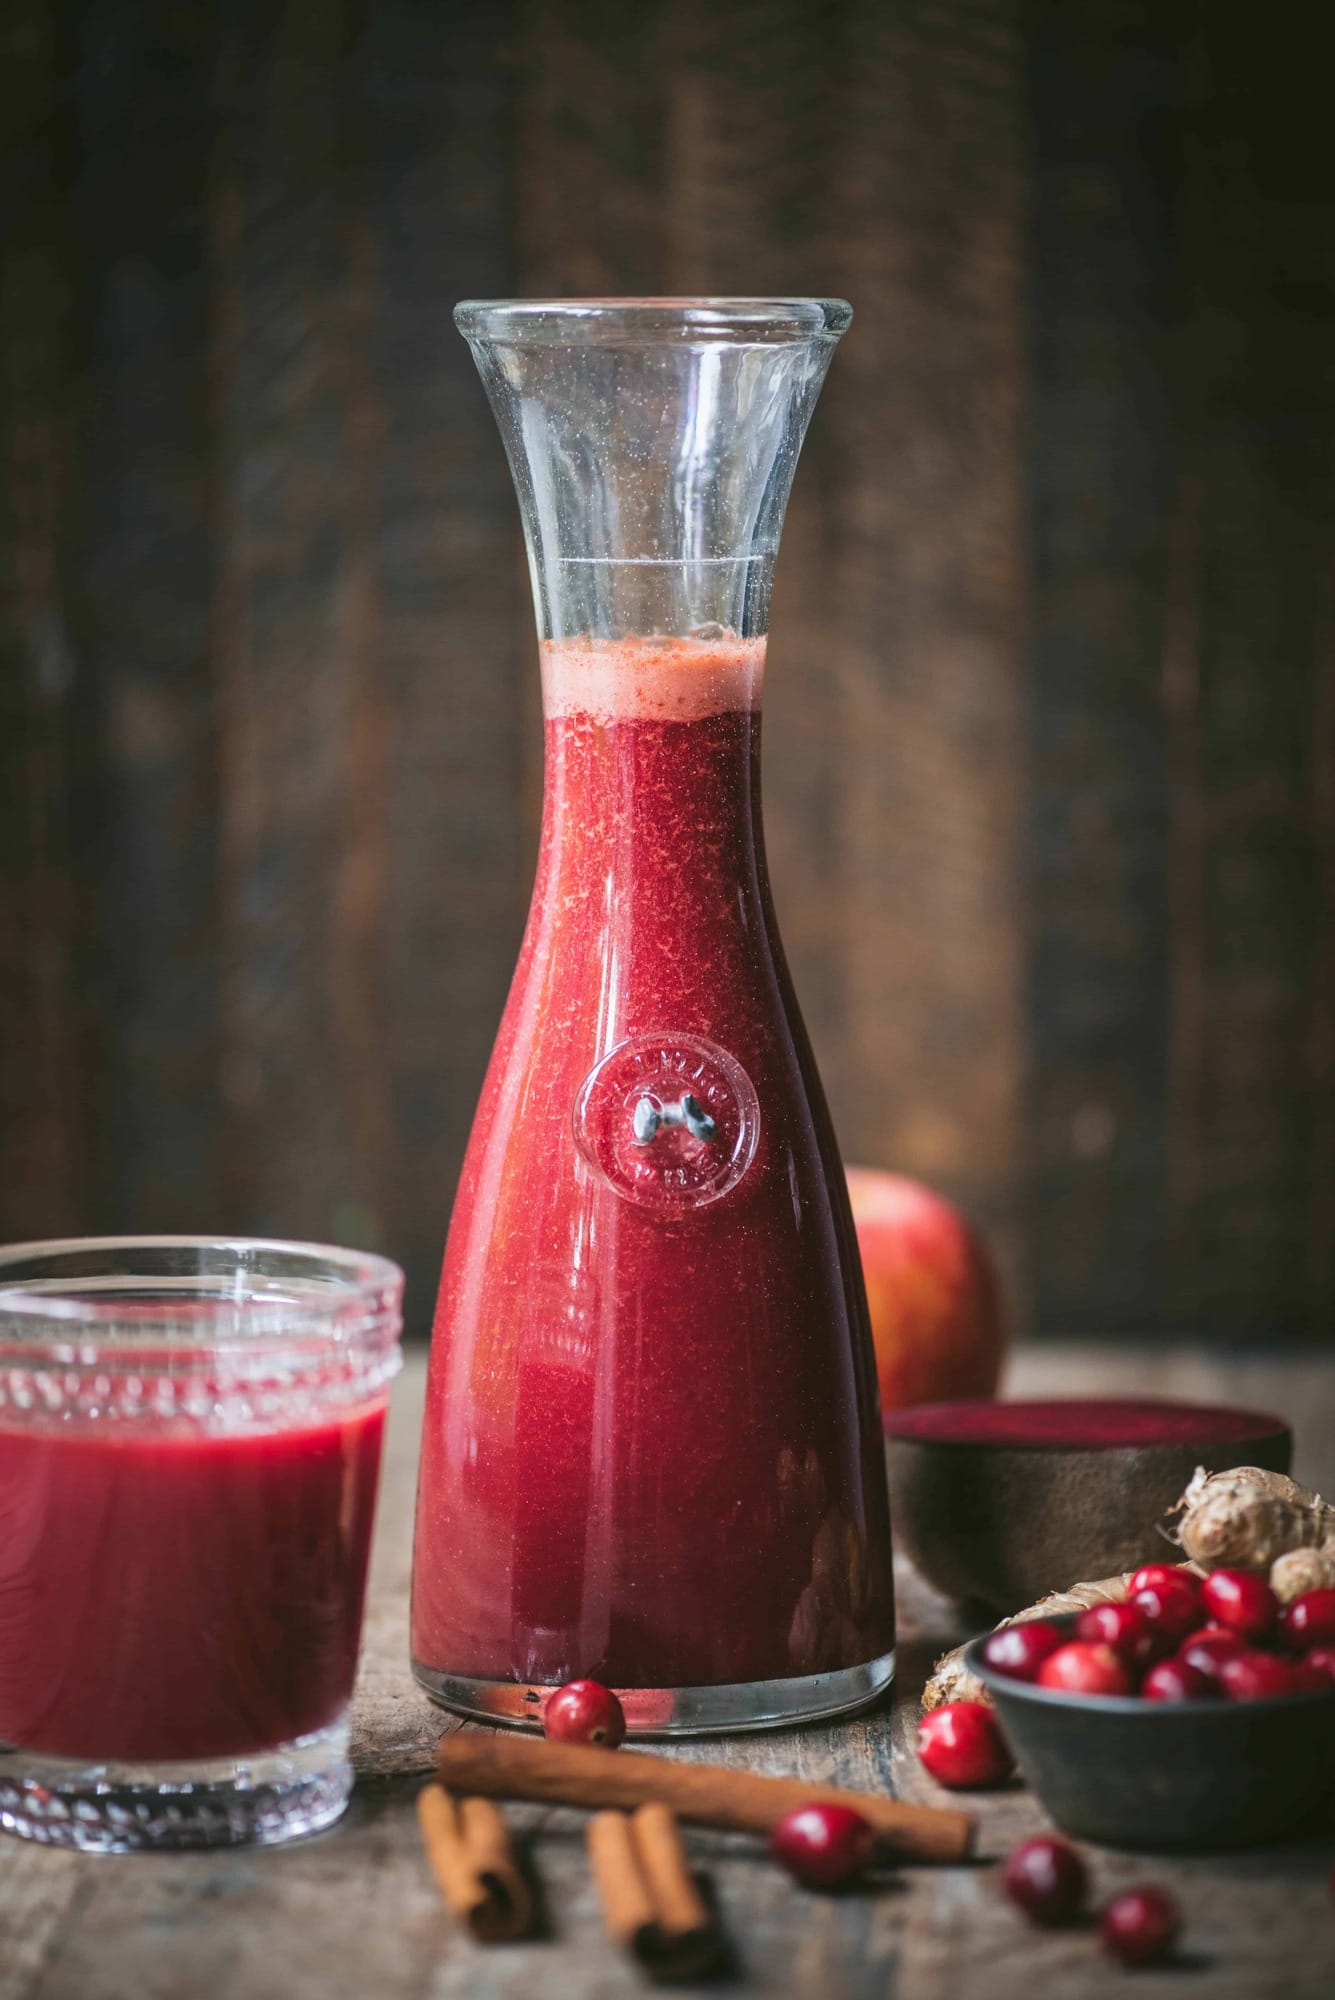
x=190, y=1439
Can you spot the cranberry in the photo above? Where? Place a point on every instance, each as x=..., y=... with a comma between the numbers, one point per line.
x=584, y=1712
x=1241, y=1600
x=1124, y=1627
x=1321, y=1660
x=823, y=1845
x=1140, y=1926
x=963, y=1747
x=1082, y=1668
x=1020, y=1650
x=1310, y=1620
x=1212, y=1635
x=1177, y=1680
x=1172, y=1608
x=1207, y=1650
x=1307, y=1679
x=1150, y=1574
x=1256, y=1676
x=1046, y=1879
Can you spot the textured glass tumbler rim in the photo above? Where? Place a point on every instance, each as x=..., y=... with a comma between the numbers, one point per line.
x=360, y=1303
x=616, y=322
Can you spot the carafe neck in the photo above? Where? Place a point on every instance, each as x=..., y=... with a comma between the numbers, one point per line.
x=653, y=444
x=652, y=778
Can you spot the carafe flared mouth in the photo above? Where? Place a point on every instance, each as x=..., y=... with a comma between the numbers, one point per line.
x=625, y=322
x=653, y=443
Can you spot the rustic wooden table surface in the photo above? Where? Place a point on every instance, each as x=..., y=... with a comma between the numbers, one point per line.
x=353, y=1914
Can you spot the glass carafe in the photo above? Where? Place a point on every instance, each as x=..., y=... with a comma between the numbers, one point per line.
x=652, y=1449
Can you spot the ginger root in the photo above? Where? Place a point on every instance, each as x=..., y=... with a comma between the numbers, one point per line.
x=1247, y=1519
x=1302, y=1570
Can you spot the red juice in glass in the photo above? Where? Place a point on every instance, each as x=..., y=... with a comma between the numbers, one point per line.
x=190, y=1441
x=180, y=1595
x=652, y=1451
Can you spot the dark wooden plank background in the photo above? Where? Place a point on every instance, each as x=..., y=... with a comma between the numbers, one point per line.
x=1052, y=740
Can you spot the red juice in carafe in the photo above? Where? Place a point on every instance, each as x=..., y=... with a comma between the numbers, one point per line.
x=170, y=1594
x=652, y=1450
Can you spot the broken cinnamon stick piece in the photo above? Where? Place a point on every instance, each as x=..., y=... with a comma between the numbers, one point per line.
x=468, y=1846
x=628, y=1911
x=679, y=1908
x=650, y=1904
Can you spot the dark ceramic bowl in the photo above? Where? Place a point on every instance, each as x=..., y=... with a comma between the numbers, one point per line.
x=1170, y=1775
x=1003, y=1502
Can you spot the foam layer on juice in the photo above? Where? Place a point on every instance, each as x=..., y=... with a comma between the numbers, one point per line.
x=651, y=679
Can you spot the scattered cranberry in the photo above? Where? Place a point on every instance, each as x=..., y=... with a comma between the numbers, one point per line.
x=1020, y=1650
x=1321, y=1660
x=584, y=1712
x=1241, y=1600
x=1177, y=1680
x=963, y=1747
x=1150, y=1574
x=1256, y=1676
x=1124, y=1627
x=823, y=1845
x=1310, y=1620
x=1140, y=1926
x=1207, y=1650
x=1172, y=1608
x=1082, y=1668
x=1046, y=1879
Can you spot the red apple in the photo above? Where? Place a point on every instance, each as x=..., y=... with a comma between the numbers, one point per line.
x=936, y=1315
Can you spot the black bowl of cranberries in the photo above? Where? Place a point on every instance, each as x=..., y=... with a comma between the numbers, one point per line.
x=1198, y=1714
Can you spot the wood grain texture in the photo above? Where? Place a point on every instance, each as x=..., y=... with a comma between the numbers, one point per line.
x=355, y=1912
x=1181, y=831
x=295, y=750
x=1051, y=728
x=456, y=657
x=43, y=1165
x=1104, y=87
x=929, y=576
x=1256, y=404
x=141, y=579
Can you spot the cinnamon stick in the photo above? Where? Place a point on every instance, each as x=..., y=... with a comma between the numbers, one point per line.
x=650, y=1903
x=679, y=1908
x=523, y=1767
x=468, y=1846
x=628, y=1910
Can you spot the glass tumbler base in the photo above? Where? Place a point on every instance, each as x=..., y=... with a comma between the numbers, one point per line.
x=275, y=1795
x=682, y=1711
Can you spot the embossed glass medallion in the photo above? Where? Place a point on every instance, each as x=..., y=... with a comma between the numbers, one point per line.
x=671, y=1122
